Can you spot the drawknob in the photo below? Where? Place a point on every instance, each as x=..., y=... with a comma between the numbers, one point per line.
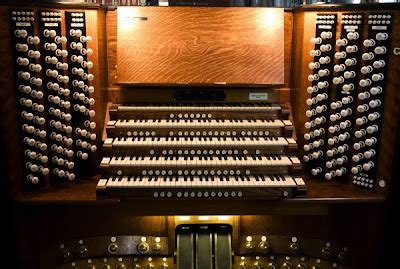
x=112, y=248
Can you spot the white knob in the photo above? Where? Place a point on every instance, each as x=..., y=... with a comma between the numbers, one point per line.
x=324, y=60
x=360, y=133
x=90, y=89
x=367, y=166
x=325, y=47
x=378, y=64
x=358, y=157
x=350, y=62
x=339, y=68
x=308, y=125
x=314, y=65
x=346, y=112
x=375, y=103
x=338, y=80
x=307, y=147
x=60, y=39
x=333, y=129
x=330, y=153
x=84, y=39
x=313, y=77
x=341, y=42
x=380, y=50
x=381, y=36
x=365, y=82
x=35, y=67
x=23, y=61
x=21, y=33
x=335, y=117
x=348, y=87
x=366, y=69
x=308, y=136
x=353, y=36
x=89, y=51
x=49, y=33
x=62, y=53
x=332, y=141
x=21, y=47
x=361, y=121
x=343, y=137
x=345, y=124
x=312, y=89
x=24, y=75
x=377, y=77
x=322, y=84
x=369, y=153
x=51, y=60
x=50, y=46
x=363, y=95
x=340, y=172
x=356, y=169
x=351, y=49
x=321, y=109
x=369, y=43
x=336, y=105
x=33, y=40
x=371, y=141
x=326, y=35
x=340, y=55
x=372, y=129
x=376, y=90
x=316, y=171
x=32, y=179
x=316, y=40
x=349, y=74
x=323, y=72
x=362, y=108
x=314, y=53
x=368, y=56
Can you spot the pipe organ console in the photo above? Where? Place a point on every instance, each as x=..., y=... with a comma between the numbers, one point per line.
x=199, y=137
x=200, y=151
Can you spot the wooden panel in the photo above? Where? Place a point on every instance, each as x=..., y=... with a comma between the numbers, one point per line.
x=200, y=46
x=111, y=27
x=8, y=115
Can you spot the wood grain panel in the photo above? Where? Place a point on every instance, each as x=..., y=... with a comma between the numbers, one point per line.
x=391, y=112
x=200, y=45
x=10, y=145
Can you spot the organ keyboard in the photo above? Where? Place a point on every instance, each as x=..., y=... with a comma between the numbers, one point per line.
x=200, y=151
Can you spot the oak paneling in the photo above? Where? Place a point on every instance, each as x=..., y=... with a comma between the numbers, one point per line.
x=181, y=45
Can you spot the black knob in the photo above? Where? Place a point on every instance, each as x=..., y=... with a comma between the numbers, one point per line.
x=157, y=247
x=294, y=247
x=82, y=250
x=66, y=255
x=264, y=246
x=326, y=252
x=113, y=248
x=143, y=247
x=121, y=266
x=249, y=246
x=343, y=256
x=302, y=266
x=286, y=265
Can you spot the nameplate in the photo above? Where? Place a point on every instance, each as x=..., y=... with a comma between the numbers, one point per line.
x=258, y=96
